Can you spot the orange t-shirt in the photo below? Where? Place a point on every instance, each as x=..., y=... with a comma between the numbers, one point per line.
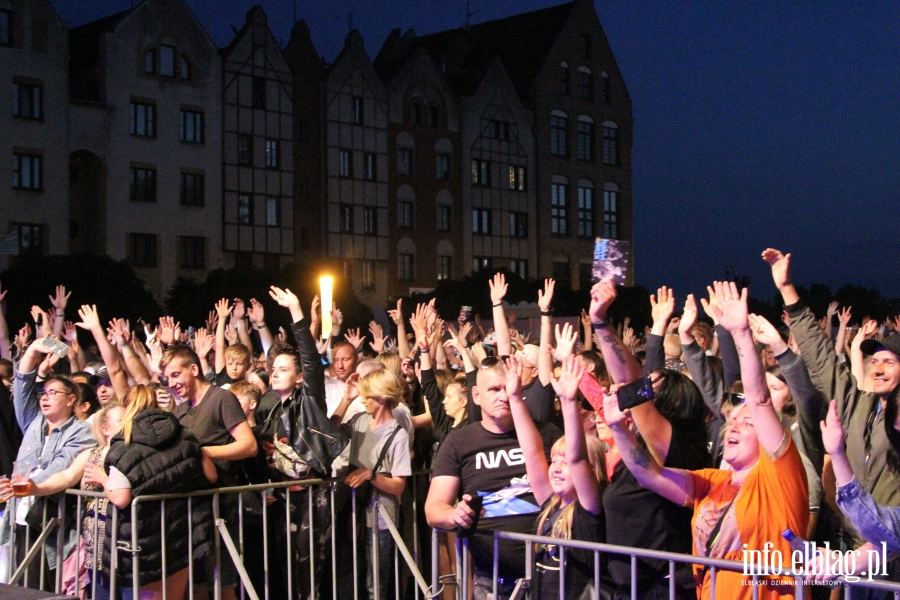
x=773, y=498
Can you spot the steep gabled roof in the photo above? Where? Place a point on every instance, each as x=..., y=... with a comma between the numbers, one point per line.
x=85, y=55
x=522, y=43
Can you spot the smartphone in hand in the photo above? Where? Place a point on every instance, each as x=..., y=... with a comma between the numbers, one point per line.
x=635, y=393
x=474, y=504
x=55, y=346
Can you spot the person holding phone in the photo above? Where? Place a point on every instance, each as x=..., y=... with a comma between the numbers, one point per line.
x=765, y=474
x=672, y=429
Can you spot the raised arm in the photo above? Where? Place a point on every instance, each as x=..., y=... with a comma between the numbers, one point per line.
x=844, y=320
x=397, y=317
x=587, y=330
x=419, y=323
x=90, y=321
x=501, y=327
x=203, y=345
x=458, y=342
x=580, y=470
x=858, y=359
x=734, y=317
x=527, y=433
x=700, y=367
x=59, y=303
x=673, y=484
x=121, y=330
x=545, y=356
x=223, y=311
x=620, y=362
x=240, y=323
x=257, y=315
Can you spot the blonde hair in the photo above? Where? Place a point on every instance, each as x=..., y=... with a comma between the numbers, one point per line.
x=101, y=419
x=137, y=399
x=596, y=454
x=382, y=384
x=239, y=351
x=390, y=361
x=672, y=346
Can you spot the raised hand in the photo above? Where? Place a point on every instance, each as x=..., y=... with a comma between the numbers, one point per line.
x=614, y=418
x=733, y=314
x=354, y=338
x=240, y=309
x=70, y=334
x=832, y=308
x=545, y=296
x=498, y=288
x=708, y=304
x=397, y=315
x=223, y=309
x=211, y=319
x=166, y=330
x=203, y=342
x=628, y=338
x=565, y=341
x=567, y=386
x=832, y=431
x=765, y=333
x=844, y=316
x=337, y=317
x=284, y=297
x=602, y=295
x=314, y=315
x=90, y=320
x=688, y=318
x=378, y=337
x=585, y=319
x=61, y=300
x=41, y=320
x=662, y=305
x=46, y=366
x=256, y=313
x=512, y=367
x=231, y=335
x=781, y=266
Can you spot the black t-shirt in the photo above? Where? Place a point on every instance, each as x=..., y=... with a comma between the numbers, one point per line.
x=221, y=378
x=638, y=517
x=210, y=421
x=586, y=527
x=488, y=462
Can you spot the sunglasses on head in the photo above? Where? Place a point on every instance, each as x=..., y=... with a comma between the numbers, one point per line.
x=733, y=398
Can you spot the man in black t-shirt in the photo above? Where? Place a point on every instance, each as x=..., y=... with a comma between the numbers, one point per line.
x=215, y=417
x=484, y=458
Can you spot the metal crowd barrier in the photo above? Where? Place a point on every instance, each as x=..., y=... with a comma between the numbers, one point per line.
x=408, y=558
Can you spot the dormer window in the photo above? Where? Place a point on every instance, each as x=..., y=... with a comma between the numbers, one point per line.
x=167, y=61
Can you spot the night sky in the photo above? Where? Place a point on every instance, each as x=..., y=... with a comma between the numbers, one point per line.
x=756, y=123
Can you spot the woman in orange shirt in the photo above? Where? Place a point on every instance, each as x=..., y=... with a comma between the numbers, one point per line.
x=741, y=510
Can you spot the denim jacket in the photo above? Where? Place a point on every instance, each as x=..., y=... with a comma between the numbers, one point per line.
x=875, y=522
x=53, y=452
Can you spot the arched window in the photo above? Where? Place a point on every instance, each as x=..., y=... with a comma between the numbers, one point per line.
x=150, y=61
x=406, y=260
x=415, y=113
x=558, y=125
x=185, y=71
x=585, y=208
x=610, y=143
x=585, y=84
x=585, y=138
x=610, y=211
x=559, y=190
x=564, y=78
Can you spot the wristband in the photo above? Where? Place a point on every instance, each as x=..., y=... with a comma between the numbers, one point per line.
x=601, y=324
x=498, y=304
x=424, y=348
x=259, y=327
x=60, y=313
x=547, y=313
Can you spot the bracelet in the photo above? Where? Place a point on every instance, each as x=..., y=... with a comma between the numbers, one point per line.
x=424, y=348
x=60, y=313
x=259, y=327
x=498, y=304
x=601, y=324
x=547, y=313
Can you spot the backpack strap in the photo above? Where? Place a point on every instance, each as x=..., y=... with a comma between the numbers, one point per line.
x=386, y=447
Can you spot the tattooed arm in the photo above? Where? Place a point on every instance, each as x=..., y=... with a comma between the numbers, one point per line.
x=675, y=485
x=623, y=368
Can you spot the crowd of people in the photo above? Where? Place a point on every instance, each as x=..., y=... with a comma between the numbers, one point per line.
x=713, y=435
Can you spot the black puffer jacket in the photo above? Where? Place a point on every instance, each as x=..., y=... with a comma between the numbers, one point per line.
x=162, y=458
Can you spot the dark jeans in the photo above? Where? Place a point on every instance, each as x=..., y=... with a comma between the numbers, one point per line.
x=385, y=565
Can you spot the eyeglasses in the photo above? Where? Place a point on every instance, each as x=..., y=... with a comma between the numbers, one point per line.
x=733, y=398
x=51, y=393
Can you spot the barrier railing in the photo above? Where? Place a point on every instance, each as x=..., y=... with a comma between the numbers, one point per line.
x=239, y=542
